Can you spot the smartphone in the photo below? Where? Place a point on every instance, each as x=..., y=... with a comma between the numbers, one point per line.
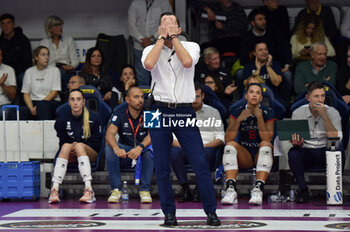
x=307, y=47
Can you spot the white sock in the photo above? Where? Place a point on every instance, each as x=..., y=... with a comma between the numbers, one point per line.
x=59, y=172
x=85, y=170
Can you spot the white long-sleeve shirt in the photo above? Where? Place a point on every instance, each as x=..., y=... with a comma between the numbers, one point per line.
x=173, y=82
x=144, y=23
x=66, y=53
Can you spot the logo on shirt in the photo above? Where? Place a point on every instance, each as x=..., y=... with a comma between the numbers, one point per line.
x=152, y=119
x=126, y=125
x=68, y=126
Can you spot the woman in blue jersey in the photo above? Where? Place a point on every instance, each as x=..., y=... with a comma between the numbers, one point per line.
x=248, y=144
x=79, y=133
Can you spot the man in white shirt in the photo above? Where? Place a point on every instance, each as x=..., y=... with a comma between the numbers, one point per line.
x=143, y=21
x=171, y=63
x=324, y=122
x=7, y=86
x=213, y=137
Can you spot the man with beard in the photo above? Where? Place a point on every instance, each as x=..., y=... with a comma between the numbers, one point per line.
x=278, y=45
x=133, y=142
x=317, y=69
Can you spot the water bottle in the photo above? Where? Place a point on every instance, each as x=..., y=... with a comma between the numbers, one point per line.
x=275, y=197
x=253, y=178
x=223, y=186
x=292, y=195
x=125, y=192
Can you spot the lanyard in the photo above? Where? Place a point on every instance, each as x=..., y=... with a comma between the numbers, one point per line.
x=134, y=131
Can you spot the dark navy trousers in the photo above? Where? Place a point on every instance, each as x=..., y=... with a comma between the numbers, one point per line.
x=191, y=143
x=179, y=161
x=305, y=158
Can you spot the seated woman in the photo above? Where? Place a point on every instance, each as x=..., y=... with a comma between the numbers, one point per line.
x=127, y=80
x=217, y=87
x=309, y=31
x=63, y=52
x=80, y=138
x=41, y=84
x=248, y=144
x=95, y=75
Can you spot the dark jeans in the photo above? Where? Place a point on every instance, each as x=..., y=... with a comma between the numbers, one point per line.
x=45, y=110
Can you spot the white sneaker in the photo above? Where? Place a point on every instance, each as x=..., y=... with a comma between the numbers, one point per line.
x=230, y=197
x=256, y=197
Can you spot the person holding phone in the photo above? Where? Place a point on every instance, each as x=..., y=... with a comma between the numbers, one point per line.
x=248, y=144
x=309, y=31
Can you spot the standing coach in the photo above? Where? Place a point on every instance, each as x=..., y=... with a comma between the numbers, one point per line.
x=171, y=63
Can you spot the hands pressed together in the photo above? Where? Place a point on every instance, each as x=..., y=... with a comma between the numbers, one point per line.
x=132, y=154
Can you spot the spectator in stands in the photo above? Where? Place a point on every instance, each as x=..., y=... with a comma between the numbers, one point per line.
x=74, y=83
x=248, y=144
x=343, y=79
x=270, y=71
x=63, y=53
x=227, y=25
x=212, y=137
x=324, y=122
x=80, y=135
x=41, y=85
x=134, y=141
x=344, y=42
x=276, y=17
x=95, y=75
x=16, y=49
x=316, y=69
x=127, y=80
x=7, y=86
x=216, y=85
x=326, y=16
x=309, y=31
x=253, y=79
x=277, y=44
x=214, y=69
x=143, y=21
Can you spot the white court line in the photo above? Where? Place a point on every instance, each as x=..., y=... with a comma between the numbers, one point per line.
x=271, y=225
x=137, y=213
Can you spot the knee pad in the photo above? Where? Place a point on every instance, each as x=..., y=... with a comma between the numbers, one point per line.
x=265, y=159
x=229, y=159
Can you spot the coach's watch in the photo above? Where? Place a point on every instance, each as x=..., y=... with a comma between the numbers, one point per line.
x=142, y=146
x=161, y=37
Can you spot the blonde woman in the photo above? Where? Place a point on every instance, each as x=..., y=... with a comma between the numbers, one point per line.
x=310, y=31
x=63, y=52
x=79, y=133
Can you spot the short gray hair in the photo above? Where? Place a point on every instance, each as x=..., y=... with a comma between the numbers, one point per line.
x=315, y=45
x=52, y=21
